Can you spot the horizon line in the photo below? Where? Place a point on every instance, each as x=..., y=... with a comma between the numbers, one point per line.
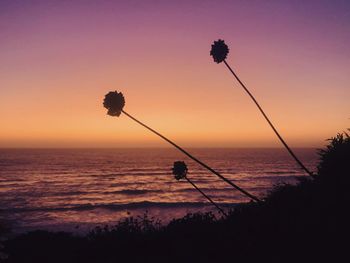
x=153, y=147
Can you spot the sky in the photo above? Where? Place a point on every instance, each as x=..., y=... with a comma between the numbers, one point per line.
x=59, y=58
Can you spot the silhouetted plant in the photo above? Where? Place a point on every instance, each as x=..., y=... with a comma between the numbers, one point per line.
x=334, y=166
x=180, y=171
x=129, y=225
x=219, y=52
x=5, y=230
x=114, y=102
x=193, y=220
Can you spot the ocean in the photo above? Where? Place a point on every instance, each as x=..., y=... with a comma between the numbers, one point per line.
x=78, y=189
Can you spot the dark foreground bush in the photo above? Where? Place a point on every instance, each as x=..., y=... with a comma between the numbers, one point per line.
x=307, y=222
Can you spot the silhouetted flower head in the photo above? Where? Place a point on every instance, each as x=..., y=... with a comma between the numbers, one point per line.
x=179, y=170
x=114, y=102
x=219, y=51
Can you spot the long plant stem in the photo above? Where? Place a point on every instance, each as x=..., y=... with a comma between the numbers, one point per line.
x=194, y=158
x=210, y=200
x=267, y=119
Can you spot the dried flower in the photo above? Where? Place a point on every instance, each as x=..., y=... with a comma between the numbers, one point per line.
x=114, y=102
x=219, y=51
x=180, y=170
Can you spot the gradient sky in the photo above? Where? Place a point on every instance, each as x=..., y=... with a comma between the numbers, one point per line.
x=59, y=58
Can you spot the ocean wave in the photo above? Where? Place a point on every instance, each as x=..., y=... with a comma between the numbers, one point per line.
x=81, y=194
x=274, y=177
x=127, y=174
x=116, y=207
x=281, y=172
x=135, y=191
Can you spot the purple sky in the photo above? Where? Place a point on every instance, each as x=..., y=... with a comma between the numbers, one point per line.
x=58, y=58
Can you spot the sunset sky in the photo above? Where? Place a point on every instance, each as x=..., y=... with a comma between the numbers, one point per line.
x=59, y=58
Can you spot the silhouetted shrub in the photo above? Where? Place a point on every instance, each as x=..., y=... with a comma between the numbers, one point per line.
x=4, y=231
x=130, y=225
x=334, y=166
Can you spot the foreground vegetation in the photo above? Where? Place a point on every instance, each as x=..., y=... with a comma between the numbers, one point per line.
x=305, y=222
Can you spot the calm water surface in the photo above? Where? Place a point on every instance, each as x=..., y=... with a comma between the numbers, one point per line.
x=76, y=189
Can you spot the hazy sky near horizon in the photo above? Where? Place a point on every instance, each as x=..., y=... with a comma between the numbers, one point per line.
x=59, y=58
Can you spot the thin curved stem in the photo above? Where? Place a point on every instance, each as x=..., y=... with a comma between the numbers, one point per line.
x=194, y=158
x=267, y=119
x=210, y=200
